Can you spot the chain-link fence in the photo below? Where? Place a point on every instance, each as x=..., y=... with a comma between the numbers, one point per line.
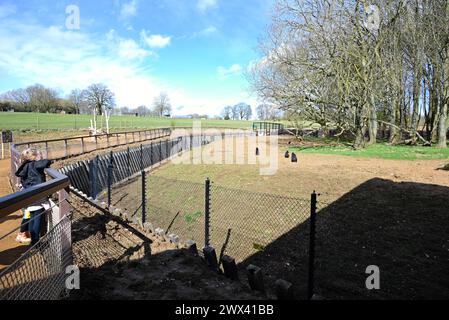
x=40, y=273
x=176, y=206
x=268, y=230
x=255, y=219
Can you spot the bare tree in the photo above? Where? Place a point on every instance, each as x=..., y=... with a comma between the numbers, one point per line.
x=161, y=105
x=78, y=101
x=142, y=111
x=326, y=62
x=18, y=97
x=226, y=113
x=99, y=98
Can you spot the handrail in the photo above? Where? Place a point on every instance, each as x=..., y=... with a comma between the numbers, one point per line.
x=24, y=198
x=86, y=136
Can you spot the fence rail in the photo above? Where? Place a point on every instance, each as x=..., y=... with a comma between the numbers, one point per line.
x=92, y=177
x=56, y=149
x=242, y=224
x=40, y=272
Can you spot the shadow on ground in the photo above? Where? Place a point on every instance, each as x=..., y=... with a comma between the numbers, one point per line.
x=118, y=263
x=403, y=228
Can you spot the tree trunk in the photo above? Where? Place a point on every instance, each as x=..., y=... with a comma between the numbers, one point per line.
x=395, y=134
x=360, y=131
x=373, y=128
x=416, y=98
x=442, y=127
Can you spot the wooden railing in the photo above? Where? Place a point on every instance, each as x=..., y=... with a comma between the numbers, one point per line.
x=57, y=149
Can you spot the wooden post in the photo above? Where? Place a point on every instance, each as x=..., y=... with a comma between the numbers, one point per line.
x=64, y=206
x=66, y=148
x=82, y=145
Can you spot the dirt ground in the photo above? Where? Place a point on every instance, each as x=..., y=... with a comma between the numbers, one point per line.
x=390, y=212
x=116, y=263
x=331, y=176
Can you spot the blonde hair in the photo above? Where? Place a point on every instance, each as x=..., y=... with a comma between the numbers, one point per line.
x=29, y=154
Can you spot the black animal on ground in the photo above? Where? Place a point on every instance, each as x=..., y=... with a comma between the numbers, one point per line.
x=294, y=157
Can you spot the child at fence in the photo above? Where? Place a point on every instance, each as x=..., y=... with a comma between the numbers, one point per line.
x=31, y=173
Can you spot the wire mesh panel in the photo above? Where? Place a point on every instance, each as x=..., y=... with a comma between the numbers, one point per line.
x=177, y=207
x=256, y=220
x=40, y=273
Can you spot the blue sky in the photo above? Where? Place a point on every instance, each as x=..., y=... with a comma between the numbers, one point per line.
x=196, y=50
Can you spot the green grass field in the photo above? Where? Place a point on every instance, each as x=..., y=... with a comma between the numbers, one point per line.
x=380, y=151
x=17, y=121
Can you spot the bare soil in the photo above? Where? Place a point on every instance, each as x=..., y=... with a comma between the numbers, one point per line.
x=115, y=263
x=389, y=213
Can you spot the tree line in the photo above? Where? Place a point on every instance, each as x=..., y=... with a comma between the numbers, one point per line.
x=95, y=99
x=243, y=111
x=357, y=66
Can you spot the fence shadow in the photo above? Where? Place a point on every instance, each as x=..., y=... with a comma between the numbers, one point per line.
x=403, y=228
x=118, y=266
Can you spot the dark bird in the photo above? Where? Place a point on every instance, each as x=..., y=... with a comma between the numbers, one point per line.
x=294, y=158
x=257, y=151
x=287, y=154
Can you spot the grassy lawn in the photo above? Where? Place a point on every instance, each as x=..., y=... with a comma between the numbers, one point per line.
x=380, y=151
x=17, y=121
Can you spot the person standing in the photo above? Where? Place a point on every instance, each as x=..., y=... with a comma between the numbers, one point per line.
x=32, y=173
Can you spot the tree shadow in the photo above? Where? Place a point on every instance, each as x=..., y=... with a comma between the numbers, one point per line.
x=403, y=228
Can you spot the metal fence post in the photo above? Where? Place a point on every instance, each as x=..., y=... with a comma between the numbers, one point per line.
x=160, y=150
x=141, y=157
x=94, y=177
x=207, y=213
x=110, y=167
x=313, y=202
x=144, y=198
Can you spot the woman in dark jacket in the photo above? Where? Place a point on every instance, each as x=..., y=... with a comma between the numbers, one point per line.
x=31, y=173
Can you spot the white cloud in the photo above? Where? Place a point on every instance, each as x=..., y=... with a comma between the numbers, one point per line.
x=128, y=10
x=155, y=40
x=224, y=73
x=129, y=49
x=59, y=58
x=203, y=5
x=7, y=10
x=67, y=60
x=205, y=32
x=211, y=105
